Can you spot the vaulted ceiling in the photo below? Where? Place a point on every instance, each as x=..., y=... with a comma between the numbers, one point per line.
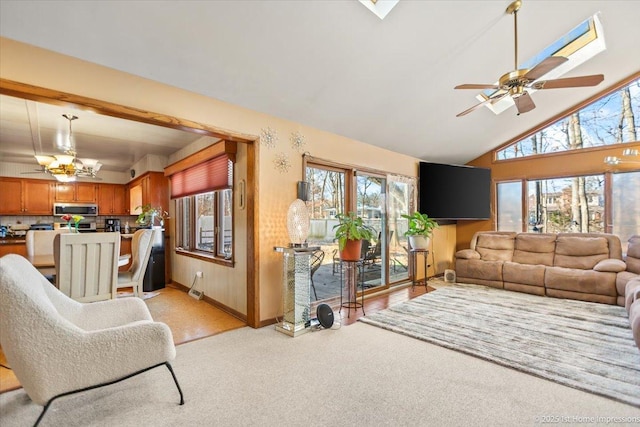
x=336, y=66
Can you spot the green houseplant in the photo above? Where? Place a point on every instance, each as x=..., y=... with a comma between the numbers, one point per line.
x=149, y=215
x=350, y=231
x=420, y=228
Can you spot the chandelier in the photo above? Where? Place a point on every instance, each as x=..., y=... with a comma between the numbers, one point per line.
x=66, y=167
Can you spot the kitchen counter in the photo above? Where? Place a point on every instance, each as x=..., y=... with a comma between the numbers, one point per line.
x=13, y=240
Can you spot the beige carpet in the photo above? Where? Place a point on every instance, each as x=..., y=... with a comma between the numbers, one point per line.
x=358, y=375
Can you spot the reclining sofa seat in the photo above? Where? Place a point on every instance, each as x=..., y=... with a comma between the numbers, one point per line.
x=580, y=267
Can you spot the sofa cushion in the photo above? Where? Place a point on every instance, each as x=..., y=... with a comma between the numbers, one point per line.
x=611, y=265
x=580, y=252
x=525, y=274
x=632, y=293
x=495, y=247
x=486, y=270
x=534, y=248
x=577, y=280
x=633, y=255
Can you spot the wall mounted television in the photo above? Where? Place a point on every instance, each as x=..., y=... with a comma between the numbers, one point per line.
x=453, y=192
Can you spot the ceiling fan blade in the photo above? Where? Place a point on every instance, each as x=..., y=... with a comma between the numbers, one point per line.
x=545, y=66
x=580, y=81
x=486, y=101
x=524, y=103
x=476, y=86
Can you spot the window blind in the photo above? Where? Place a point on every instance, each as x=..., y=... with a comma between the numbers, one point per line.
x=211, y=175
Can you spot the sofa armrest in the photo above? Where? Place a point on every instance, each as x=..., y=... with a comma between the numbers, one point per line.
x=467, y=254
x=610, y=265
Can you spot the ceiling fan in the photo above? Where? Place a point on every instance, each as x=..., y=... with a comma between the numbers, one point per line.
x=66, y=167
x=515, y=83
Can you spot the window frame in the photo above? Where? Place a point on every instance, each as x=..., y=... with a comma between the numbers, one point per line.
x=560, y=116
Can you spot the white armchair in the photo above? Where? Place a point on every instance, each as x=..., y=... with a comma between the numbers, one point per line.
x=57, y=346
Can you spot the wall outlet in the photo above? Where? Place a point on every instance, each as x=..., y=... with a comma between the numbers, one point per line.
x=193, y=293
x=199, y=274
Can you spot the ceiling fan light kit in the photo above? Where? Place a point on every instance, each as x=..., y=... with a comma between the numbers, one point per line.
x=66, y=167
x=517, y=83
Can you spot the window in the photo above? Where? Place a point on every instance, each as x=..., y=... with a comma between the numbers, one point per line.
x=612, y=119
x=626, y=206
x=509, y=206
x=202, y=187
x=205, y=223
x=562, y=205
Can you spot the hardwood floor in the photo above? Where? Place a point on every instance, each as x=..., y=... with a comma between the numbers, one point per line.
x=190, y=319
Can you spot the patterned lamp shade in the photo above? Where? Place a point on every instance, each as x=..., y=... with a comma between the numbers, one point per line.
x=298, y=223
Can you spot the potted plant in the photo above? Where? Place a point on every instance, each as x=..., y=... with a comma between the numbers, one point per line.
x=350, y=231
x=419, y=230
x=150, y=215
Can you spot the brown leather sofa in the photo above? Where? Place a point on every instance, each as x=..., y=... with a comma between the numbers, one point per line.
x=581, y=266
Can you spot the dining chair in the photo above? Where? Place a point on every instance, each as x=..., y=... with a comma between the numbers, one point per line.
x=141, y=244
x=40, y=242
x=87, y=265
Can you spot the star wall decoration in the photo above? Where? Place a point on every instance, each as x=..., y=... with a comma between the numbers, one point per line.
x=282, y=162
x=268, y=137
x=297, y=141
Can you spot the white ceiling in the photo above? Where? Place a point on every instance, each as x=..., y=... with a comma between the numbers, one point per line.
x=336, y=66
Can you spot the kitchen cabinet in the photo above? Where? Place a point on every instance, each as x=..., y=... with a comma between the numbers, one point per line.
x=19, y=196
x=13, y=247
x=112, y=199
x=152, y=189
x=76, y=192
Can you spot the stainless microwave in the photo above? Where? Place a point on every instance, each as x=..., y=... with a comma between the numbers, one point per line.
x=84, y=209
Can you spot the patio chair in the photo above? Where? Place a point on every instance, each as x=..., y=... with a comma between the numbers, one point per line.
x=316, y=261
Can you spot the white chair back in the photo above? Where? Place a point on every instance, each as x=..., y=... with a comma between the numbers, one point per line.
x=87, y=265
x=40, y=242
x=141, y=245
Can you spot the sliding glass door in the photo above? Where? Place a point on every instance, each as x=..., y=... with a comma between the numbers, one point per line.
x=378, y=198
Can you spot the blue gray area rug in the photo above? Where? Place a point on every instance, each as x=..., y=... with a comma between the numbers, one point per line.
x=584, y=345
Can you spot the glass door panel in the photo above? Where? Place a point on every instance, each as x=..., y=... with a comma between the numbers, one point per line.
x=326, y=200
x=371, y=206
x=400, y=201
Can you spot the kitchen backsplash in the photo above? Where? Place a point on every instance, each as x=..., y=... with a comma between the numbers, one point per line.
x=8, y=220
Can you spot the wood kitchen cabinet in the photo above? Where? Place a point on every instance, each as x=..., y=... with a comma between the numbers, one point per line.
x=152, y=189
x=19, y=196
x=113, y=199
x=76, y=192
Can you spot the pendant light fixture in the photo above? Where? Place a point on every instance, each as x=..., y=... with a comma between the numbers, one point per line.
x=66, y=167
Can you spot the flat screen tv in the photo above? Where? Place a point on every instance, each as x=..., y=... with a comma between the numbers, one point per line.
x=454, y=192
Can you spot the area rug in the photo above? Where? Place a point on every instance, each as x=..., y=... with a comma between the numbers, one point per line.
x=584, y=345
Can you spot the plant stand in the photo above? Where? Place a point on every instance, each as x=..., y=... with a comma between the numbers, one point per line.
x=350, y=271
x=414, y=255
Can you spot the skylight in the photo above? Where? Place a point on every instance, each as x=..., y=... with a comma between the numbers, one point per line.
x=579, y=45
x=380, y=7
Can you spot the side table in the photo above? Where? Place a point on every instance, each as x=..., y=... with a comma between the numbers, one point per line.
x=414, y=254
x=350, y=271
